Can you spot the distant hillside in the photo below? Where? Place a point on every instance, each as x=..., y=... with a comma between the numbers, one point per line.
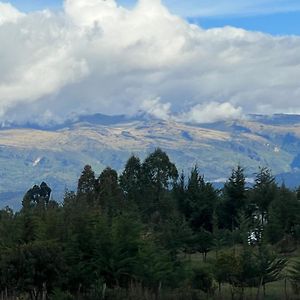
x=57, y=153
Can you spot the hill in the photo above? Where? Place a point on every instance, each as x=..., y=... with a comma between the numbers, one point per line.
x=57, y=153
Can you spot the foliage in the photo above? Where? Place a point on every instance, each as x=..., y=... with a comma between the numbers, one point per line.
x=141, y=235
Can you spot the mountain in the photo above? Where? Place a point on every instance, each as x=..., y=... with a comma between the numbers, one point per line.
x=56, y=154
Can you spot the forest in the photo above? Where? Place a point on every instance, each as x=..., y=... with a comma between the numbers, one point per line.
x=153, y=232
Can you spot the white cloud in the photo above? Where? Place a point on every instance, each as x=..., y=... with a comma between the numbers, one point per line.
x=96, y=56
x=157, y=109
x=8, y=13
x=211, y=112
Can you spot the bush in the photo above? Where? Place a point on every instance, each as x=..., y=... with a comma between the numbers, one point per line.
x=202, y=279
x=61, y=295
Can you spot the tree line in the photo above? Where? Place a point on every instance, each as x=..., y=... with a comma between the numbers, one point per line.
x=152, y=233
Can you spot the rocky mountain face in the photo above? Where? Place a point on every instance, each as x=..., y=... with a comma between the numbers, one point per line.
x=56, y=154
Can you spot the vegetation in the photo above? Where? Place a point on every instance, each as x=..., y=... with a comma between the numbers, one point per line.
x=151, y=233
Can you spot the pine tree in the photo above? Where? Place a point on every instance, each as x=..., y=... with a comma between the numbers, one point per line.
x=264, y=192
x=86, y=182
x=200, y=202
x=234, y=199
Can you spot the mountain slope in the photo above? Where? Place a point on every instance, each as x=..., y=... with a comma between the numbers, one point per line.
x=57, y=155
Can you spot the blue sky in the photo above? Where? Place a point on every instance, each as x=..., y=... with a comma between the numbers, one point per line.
x=278, y=17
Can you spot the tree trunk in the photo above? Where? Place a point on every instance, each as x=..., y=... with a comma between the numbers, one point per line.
x=259, y=287
x=158, y=290
x=44, y=293
x=242, y=294
x=33, y=294
x=232, y=293
x=285, y=289
x=103, y=291
x=78, y=291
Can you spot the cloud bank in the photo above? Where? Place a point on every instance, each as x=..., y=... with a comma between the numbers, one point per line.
x=96, y=56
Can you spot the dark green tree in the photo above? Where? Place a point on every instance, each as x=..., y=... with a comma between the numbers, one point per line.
x=197, y=201
x=284, y=215
x=158, y=176
x=130, y=181
x=263, y=193
x=109, y=193
x=234, y=199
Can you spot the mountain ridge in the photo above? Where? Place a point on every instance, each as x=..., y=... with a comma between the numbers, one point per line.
x=31, y=154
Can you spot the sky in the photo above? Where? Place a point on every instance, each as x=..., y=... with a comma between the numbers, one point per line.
x=271, y=16
x=194, y=60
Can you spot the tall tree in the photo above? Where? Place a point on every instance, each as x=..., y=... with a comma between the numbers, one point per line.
x=130, y=180
x=198, y=202
x=284, y=215
x=86, y=185
x=159, y=171
x=159, y=174
x=109, y=194
x=234, y=199
x=264, y=192
x=37, y=197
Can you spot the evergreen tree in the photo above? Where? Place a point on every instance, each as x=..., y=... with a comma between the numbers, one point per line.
x=234, y=199
x=130, y=180
x=197, y=201
x=109, y=194
x=127, y=237
x=284, y=215
x=264, y=192
x=86, y=186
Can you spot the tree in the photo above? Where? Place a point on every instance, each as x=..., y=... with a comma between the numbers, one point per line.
x=237, y=269
x=263, y=193
x=283, y=217
x=159, y=171
x=36, y=266
x=37, y=198
x=179, y=193
x=8, y=230
x=203, y=242
x=196, y=201
x=79, y=245
x=86, y=185
x=155, y=267
x=128, y=237
x=157, y=177
x=117, y=249
x=176, y=236
x=234, y=199
x=109, y=194
x=294, y=276
x=269, y=267
x=130, y=180
x=32, y=216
